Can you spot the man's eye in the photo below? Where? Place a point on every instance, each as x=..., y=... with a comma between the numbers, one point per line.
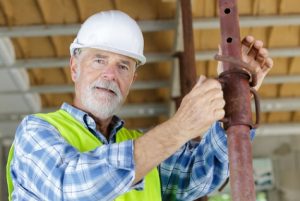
x=100, y=61
x=123, y=67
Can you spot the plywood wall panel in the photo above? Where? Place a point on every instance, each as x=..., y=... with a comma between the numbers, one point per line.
x=289, y=7
x=166, y=10
x=294, y=67
x=212, y=69
x=26, y=12
x=287, y=36
x=154, y=71
x=87, y=8
x=68, y=75
x=71, y=14
x=52, y=11
x=296, y=116
x=263, y=117
x=268, y=91
x=204, y=8
x=279, y=117
x=164, y=70
x=245, y=7
x=145, y=96
x=164, y=94
x=34, y=76
x=17, y=47
x=290, y=90
x=265, y=7
x=207, y=39
x=159, y=41
x=56, y=100
x=62, y=45
x=2, y=17
x=51, y=76
x=201, y=68
x=281, y=66
x=37, y=47
x=139, y=9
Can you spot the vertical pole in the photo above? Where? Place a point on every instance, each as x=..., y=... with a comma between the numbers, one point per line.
x=238, y=106
x=187, y=60
x=188, y=76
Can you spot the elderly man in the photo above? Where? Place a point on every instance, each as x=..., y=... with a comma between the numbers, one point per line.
x=83, y=152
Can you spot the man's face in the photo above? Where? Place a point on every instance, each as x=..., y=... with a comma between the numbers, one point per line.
x=102, y=81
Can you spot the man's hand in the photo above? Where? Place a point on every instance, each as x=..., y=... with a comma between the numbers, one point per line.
x=256, y=55
x=200, y=108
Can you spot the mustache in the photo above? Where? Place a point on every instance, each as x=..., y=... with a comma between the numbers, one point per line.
x=108, y=85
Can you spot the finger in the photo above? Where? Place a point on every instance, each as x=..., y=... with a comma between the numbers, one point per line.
x=220, y=65
x=258, y=44
x=218, y=103
x=214, y=94
x=219, y=114
x=248, y=40
x=209, y=90
x=268, y=64
x=219, y=49
x=261, y=60
x=201, y=80
x=262, y=56
x=251, y=46
x=211, y=84
x=207, y=85
x=263, y=52
x=248, y=48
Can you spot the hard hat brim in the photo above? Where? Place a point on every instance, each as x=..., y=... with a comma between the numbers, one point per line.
x=141, y=59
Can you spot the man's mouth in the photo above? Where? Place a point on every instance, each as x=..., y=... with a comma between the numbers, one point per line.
x=105, y=90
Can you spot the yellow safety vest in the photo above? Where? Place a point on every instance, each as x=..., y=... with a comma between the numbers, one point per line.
x=81, y=138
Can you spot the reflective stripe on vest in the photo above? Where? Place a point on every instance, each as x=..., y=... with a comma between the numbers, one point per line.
x=81, y=138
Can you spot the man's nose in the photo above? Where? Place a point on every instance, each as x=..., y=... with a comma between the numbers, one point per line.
x=109, y=72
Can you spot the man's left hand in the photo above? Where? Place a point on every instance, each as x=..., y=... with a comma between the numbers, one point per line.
x=256, y=56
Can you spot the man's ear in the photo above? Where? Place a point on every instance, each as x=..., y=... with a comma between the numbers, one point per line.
x=134, y=77
x=74, y=68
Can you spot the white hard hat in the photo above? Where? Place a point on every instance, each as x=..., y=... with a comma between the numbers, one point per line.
x=112, y=31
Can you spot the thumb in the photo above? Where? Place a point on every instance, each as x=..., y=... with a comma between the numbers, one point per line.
x=220, y=65
x=201, y=80
x=219, y=49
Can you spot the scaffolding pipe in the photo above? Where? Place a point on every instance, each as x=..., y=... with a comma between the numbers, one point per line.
x=238, y=116
x=187, y=59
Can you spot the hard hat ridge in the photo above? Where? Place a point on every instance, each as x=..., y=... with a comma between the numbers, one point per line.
x=112, y=31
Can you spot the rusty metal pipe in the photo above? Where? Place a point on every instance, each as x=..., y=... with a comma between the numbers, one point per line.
x=238, y=106
x=188, y=76
x=187, y=60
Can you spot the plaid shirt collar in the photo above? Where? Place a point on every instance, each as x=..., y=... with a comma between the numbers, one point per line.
x=116, y=123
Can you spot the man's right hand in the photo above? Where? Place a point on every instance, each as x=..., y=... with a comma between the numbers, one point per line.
x=200, y=108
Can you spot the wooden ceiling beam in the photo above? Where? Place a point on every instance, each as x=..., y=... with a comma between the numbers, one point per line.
x=7, y=9
x=150, y=25
x=69, y=88
x=279, y=53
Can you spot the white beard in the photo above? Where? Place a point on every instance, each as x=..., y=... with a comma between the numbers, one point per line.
x=100, y=103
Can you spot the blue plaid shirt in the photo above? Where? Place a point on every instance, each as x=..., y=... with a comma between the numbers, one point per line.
x=46, y=167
